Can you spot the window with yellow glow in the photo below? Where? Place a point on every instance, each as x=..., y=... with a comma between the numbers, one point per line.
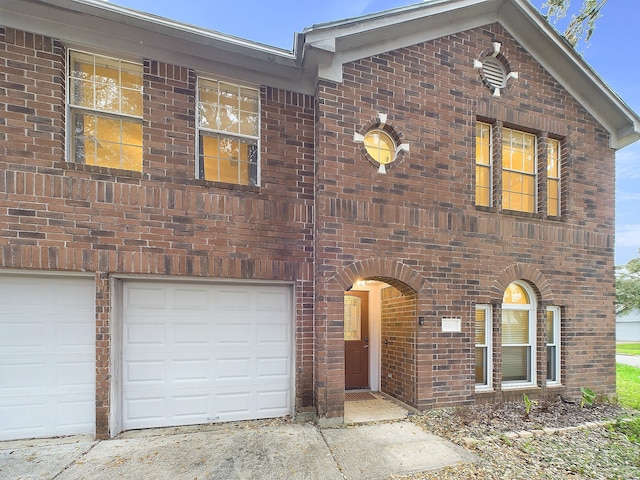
x=352, y=318
x=518, y=171
x=228, y=126
x=483, y=164
x=483, y=346
x=553, y=177
x=380, y=146
x=105, y=99
x=518, y=336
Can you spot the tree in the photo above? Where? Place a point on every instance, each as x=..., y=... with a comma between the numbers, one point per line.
x=584, y=23
x=628, y=286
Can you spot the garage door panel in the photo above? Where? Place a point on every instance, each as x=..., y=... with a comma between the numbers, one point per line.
x=141, y=333
x=19, y=333
x=75, y=335
x=144, y=371
x=76, y=374
x=233, y=300
x=273, y=367
x=191, y=370
x=19, y=375
x=47, y=355
x=272, y=301
x=192, y=334
x=219, y=353
x=26, y=417
x=193, y=298
x=232, y=334
x=269, y=333
x=145, y=298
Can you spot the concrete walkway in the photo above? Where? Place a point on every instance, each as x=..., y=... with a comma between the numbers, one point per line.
x=633, y=360
x=243, y=450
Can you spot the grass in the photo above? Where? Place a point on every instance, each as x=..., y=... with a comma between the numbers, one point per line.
x=631, y=428
x=628, y=348
x=628, y=380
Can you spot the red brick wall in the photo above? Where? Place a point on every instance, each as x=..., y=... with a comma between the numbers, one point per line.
x=60, y=216
x=422, y=214
x=398, y=332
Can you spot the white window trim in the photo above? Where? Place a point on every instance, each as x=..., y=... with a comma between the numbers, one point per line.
x=531, y=308
x=558, y=178
x=488, y=335
x=70, y=107
x=489, y=167
x=556, y=326
x=224, y=133
x=534, y=175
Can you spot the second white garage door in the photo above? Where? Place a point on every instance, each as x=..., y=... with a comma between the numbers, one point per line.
x=199, y=353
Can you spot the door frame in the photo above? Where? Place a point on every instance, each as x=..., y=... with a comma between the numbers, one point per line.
x=375, y=344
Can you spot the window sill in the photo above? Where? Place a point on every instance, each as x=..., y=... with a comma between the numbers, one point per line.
x=484, y=389
x=519, y=386
x=518, y=213
x=227, y=186
x=114, y=173
x=111, y=172
x=482, y=208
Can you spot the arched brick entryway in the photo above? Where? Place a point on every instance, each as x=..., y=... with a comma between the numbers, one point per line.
x=409, y=297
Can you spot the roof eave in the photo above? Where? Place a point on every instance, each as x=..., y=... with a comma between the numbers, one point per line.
x=569, y=68
x=96, y=24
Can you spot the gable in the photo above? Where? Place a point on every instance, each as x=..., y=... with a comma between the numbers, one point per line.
x=333, y=44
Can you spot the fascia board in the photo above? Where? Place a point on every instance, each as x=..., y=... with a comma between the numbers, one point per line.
x=112, y=29
x=343, y=42
x=561, y=60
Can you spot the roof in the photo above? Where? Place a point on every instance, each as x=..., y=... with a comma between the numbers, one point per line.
x=320, y=51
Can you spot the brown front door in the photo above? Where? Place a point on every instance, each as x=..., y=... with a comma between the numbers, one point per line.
x=356, y=340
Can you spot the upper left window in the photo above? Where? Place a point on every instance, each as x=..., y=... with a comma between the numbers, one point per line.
x=105, y=101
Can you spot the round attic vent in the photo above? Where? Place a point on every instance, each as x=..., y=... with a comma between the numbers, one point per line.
x=494, y=72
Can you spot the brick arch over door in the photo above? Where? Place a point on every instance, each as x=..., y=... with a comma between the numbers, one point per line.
x=403, y=277
x=520, y=271
x=410, y=283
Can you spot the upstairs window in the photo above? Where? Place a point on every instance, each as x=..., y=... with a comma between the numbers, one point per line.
x=518, y=171
x=228, y=131
x=553, y=177
x=483, y=164
x=518, y=166
x=105, y=101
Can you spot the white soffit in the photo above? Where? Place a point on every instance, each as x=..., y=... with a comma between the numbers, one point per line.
x=105, y=27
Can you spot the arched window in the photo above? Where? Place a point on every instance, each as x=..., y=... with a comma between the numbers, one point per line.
x=518, y=335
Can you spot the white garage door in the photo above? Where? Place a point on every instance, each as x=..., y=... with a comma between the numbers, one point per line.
x=200, y=353
x=47, y=356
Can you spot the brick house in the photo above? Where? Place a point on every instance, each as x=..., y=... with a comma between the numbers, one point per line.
x=197, y=228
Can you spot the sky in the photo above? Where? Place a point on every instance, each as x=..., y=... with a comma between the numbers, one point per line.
x=612, y=52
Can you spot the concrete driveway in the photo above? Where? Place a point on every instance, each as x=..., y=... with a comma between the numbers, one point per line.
x=633, y=360
x=243, y=450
